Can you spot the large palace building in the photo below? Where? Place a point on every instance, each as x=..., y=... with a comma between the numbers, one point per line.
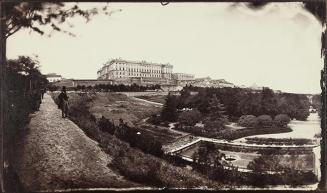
x=129, y=72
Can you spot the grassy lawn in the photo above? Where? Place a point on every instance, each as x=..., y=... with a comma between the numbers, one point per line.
x=115, y=106
x=232, y=134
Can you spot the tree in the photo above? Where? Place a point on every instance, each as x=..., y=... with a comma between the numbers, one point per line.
x=24, y=74
x=266, y=163
x=268, y=102
x=248, y=121
x=209, y=159
x=316, y=103
x=189, y=118
x=216, y=110
x=39, y=15
x=249, y=104
x=169, y=111
x=183, y=99
x=281, y=120
x=265, y=121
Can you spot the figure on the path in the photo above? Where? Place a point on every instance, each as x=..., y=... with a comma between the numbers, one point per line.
x=63, y=102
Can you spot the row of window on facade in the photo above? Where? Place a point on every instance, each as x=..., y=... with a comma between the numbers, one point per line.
x=137, y=70
x=136, y=74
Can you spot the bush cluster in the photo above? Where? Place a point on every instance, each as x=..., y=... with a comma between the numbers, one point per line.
x=249, y=121
x=131, y=135
x=21, y=104
x=264, y=121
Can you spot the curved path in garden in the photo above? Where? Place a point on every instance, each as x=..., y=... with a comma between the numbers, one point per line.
x=54, y=153
x=171, y=148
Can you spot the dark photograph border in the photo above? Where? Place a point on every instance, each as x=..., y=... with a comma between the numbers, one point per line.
x=8, y=177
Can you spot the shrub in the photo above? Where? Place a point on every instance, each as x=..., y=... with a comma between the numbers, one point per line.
x=302, y=114
x=189, y=118
x=282, y=120
x=213, y=125
x=106, y=126
x=248, y=121
x=265, y=121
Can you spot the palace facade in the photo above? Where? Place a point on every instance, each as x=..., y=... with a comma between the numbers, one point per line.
x=129, y=72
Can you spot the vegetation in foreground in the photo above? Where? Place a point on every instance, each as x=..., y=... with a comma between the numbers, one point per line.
x=267, y=169
x=26, y=85
x=130, y=162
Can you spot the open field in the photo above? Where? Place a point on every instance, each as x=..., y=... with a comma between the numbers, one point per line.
x=115, y=106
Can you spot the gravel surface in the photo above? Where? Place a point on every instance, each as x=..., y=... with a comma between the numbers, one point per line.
x=54, y=153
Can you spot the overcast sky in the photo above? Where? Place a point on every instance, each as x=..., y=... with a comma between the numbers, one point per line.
x=277, y=46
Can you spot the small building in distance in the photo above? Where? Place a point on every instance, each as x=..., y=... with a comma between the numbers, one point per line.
x=53, y=77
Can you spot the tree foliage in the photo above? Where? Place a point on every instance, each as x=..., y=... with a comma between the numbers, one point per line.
x=190, y=118
x=238, y=102
x=169, y=111
x=265, y=121
x=248, y=121
x=38, y=16
x=282, y=120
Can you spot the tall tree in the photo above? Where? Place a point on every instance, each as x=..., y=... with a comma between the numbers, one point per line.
x=169, y=111
x=216, y=110
x=268, y=102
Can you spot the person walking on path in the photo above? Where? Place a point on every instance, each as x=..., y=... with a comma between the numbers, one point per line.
x=63, y=102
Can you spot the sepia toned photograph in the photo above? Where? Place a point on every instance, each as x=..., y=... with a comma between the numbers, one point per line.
x=121, y=96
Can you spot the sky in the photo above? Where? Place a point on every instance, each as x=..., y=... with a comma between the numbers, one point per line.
x=277, y=46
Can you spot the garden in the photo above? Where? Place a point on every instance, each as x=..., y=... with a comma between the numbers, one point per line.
x=208, y=112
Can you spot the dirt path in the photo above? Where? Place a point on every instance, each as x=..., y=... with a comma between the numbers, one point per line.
x=54, y=153
x=147, y=101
